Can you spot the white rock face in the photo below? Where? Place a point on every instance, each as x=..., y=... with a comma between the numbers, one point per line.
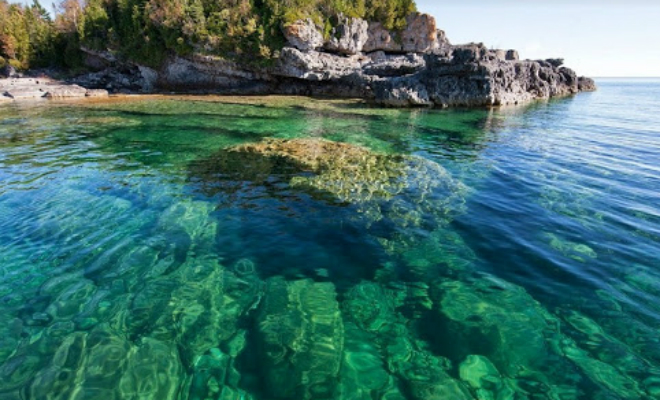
x=348, y=37
x=303, y=35
x=37, y=88
x=416, y=66
x=381, y=39
x=420, y=34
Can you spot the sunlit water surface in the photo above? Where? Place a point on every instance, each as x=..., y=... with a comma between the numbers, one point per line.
x=139, y=261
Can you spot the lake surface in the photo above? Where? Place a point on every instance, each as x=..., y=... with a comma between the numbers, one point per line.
x=468, y=254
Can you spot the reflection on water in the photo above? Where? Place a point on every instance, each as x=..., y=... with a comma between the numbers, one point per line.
x=283, y=248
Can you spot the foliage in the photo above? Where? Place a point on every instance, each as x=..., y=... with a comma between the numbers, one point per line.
x=147, y=31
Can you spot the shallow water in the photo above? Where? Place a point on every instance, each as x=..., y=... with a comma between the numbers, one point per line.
x=515, y=255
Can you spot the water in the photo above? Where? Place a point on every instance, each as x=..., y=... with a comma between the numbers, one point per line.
x=466, y=254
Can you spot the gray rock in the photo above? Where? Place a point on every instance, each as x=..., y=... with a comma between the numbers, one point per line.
x=499, y=55
x=8, y=71
x=150, y=77
x=65, y=91
x=24, y=93
x=586, y=84
x=303, y=35
x=403, y=93
x=203, y=73
x=316, y=66
x=432, y=72
x=349, y=36
x=555, y=62
x=512, y=55
x=381, y=39
x=97, y=60
x=383, y=65
x=419, y=36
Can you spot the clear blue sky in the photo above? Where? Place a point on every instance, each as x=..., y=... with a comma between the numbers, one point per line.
x=596, y=37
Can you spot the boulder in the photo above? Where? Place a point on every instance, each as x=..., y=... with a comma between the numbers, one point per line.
x=499, y=55
x=555, y=62
x=512, y=55
x=349, y=36
x=149, y=77
x=586, y=84
x=381, y=39
x=420, y=34
x=303, y=35
x=5, y=99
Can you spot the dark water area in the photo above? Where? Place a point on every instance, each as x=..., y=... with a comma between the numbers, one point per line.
x=461, y=254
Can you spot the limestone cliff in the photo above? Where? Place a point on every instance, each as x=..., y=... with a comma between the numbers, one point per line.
x=416, y=66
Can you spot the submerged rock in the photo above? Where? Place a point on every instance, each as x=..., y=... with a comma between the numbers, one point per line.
x=301, y=339
x=350, y=173
x=503, y=315
x=486, y=381
x=423, y=374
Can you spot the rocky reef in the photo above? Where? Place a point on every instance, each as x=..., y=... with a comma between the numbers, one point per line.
x=416, y=66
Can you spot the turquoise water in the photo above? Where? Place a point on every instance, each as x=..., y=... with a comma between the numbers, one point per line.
x=464, y=254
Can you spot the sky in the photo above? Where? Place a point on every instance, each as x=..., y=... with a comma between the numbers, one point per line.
x=597, y=38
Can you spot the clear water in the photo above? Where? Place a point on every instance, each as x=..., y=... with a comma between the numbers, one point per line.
x=139, y=259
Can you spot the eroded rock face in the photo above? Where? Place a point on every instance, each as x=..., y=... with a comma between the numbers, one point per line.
x=303, y=35
x=414, y=67
x=420, y=34
x=381, y=39
x=348, y=37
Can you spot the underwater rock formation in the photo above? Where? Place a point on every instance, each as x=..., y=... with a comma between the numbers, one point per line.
x=349, y=174
x=500, y=316
x=422, y=374
x=389, y=195
x=301, y=336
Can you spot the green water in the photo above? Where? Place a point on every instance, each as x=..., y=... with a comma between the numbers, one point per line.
x=472, y=254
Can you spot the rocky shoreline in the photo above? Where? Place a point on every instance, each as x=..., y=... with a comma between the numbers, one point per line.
x=417, y=66
x=12, y=89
